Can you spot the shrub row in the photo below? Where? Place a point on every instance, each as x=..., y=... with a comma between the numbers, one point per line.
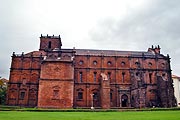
x=17, y=108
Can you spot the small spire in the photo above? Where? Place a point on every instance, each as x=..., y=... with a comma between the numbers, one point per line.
x=13, y=54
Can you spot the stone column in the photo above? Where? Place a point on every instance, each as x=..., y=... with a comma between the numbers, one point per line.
x=105, y=92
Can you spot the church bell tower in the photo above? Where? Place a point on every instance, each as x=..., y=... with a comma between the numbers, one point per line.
x=48, y=43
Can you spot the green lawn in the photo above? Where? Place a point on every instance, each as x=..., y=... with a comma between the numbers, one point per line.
x=140, y=115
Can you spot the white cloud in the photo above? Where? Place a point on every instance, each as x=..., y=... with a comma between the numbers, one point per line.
x=97, y=24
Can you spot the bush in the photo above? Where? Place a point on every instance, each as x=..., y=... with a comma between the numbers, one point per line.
x=2, y=95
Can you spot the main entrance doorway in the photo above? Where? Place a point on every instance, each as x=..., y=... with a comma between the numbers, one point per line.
x=124, y=100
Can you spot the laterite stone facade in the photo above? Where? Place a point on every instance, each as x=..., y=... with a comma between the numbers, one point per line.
x=54, y=77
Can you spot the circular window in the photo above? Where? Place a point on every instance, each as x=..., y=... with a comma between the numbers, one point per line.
x=80, y=62
x=123, y=63
x=95, y=62
x=109, y=63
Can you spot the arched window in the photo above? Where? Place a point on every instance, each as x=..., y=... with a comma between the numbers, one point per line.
x=80, y=94
x=95, y=97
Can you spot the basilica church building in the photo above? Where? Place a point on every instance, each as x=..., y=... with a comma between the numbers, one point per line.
x=53, y=77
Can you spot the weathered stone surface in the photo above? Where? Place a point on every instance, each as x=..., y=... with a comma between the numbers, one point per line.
x=56, y=85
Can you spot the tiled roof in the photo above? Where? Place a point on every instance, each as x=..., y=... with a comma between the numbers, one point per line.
x=35, y=53
x=115, y=53
x=93, y=52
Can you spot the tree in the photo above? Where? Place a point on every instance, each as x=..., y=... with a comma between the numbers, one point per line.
x=3, y=89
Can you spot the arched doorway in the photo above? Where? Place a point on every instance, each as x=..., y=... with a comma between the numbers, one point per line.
x=124, y=100
x=95, y=98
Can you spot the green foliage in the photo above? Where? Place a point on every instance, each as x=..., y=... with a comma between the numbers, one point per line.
x=35, y=109
x=140, y=115
x=3, y=89
x=22, y=113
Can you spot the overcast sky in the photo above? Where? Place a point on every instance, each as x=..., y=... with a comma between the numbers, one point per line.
x=90, y=24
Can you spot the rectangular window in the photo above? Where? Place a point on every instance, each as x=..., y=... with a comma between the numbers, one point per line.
x=80, y=76
x=55, y=94
x=95, y=76
x=150, y=77
x=123, y=74
x=80, y=95
x=22, y=95
x=95, y=96
x=109, y=75
x=111, y=96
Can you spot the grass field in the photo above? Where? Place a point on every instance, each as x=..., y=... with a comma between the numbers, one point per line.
x=140, y=115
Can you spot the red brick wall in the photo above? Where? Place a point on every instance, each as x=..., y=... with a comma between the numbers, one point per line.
x=48, y=99
x=24, y=76
x=55, y=43
x=56, y=85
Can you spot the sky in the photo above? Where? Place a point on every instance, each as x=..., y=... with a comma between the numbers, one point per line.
x=131, y=25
